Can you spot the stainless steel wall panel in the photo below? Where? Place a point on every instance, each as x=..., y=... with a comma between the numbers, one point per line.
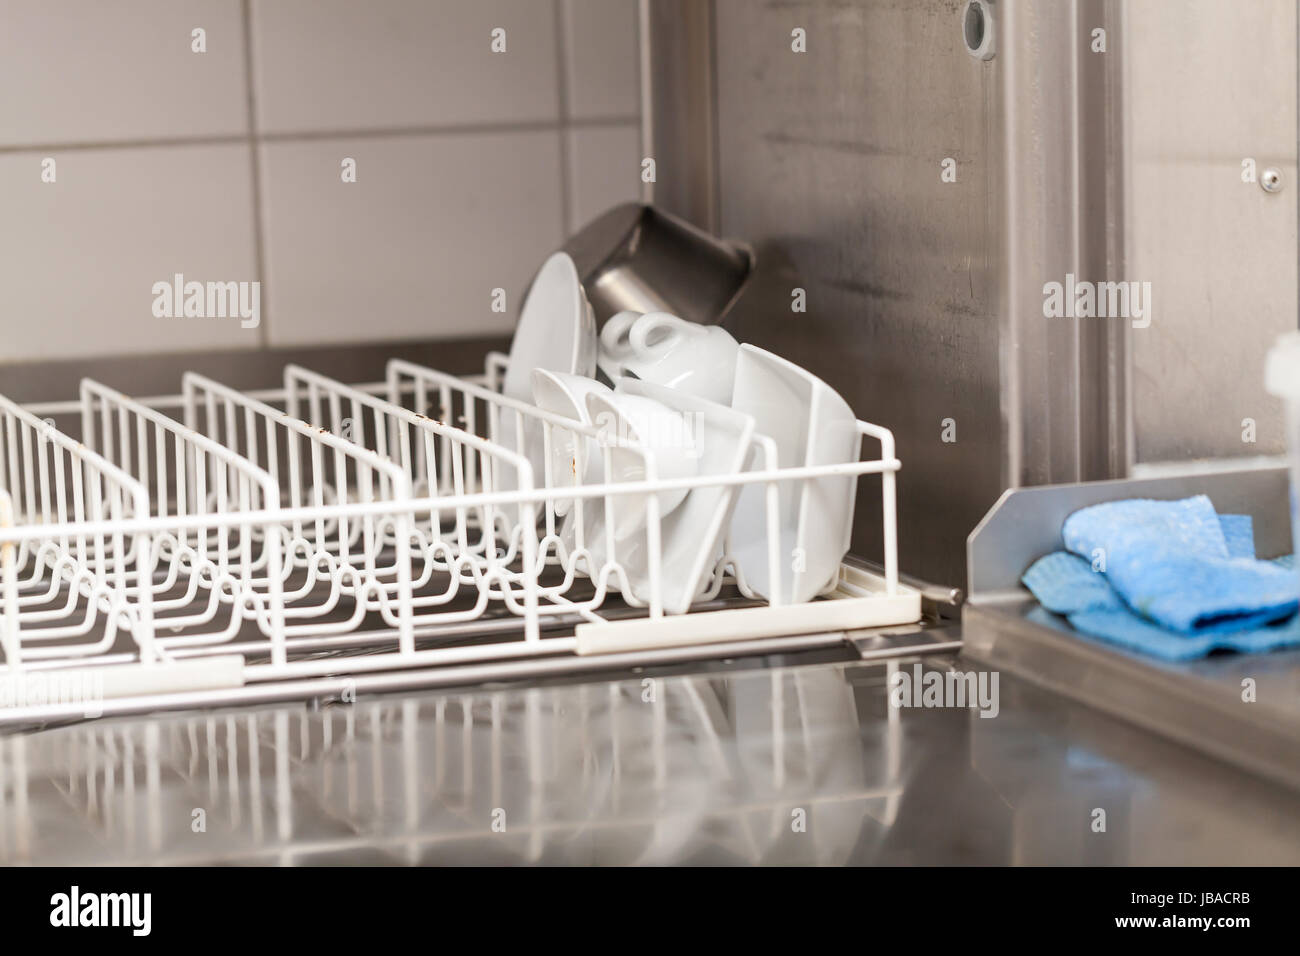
x=1064, y=385
x=678, y=112
x=1213, y=83
x=830, y=164
x=925, y=300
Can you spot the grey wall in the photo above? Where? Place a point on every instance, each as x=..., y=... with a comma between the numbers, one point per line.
x=1213, y=82
x=1113, y=162
x=829, y=162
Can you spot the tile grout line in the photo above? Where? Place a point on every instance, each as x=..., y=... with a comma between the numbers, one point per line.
x=562, y=97
x=221, y=139
x=254, y=152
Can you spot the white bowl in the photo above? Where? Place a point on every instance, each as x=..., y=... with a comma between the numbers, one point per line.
x=567, y=395
x=631, y=427
x=690, y=543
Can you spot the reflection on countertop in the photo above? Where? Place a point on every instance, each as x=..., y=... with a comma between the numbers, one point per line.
x=794, y=765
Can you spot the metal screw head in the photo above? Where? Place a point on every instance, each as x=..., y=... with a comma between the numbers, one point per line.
x=1270, y=180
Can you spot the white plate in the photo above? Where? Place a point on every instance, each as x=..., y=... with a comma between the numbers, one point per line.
x=691, y=537
x=556, y=332
x=811, y=425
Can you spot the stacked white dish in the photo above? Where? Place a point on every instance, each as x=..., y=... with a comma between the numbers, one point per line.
x=688, y=402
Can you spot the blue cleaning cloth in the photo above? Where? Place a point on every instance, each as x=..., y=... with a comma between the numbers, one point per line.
x=1066, y=584
x=1238, y=535
x=1174, y=563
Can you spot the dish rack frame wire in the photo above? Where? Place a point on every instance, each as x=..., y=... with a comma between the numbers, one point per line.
x=196, y=547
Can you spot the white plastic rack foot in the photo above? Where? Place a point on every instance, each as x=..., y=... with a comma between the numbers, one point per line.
x=218, y=546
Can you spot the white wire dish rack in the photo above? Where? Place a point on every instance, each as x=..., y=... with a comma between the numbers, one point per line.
x=204, y=546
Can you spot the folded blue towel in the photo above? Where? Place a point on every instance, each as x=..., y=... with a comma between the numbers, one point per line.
x=1174, y=563
x=1238, y=535
x=1066, y=584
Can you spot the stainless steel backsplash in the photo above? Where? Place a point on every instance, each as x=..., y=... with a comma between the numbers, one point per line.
x=925, y=298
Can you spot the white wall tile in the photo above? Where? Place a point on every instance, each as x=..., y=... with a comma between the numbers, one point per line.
x=600, y=41
x=411, y=251
x=605, y=169
x=78, y=270
x=415, y=246
x=340, y=65
x=85, y=71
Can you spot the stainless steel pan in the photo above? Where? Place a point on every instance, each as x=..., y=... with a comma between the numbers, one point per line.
x=637, y=257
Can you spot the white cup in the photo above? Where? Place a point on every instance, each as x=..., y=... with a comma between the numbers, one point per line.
x=661, y=348
x=630, y=425
x=566, y=395
x=613, y=345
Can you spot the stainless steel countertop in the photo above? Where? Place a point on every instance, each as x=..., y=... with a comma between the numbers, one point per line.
x=707, y=766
